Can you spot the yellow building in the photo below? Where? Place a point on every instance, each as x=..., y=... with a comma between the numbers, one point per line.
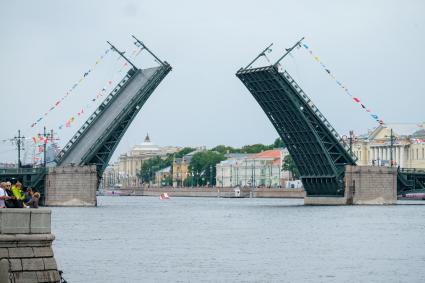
x=180, y=170
x=407, y=149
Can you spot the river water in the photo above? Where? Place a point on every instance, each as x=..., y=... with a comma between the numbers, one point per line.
x=144, y=239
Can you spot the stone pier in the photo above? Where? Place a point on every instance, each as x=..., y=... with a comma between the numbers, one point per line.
x=26, y=253
x=371, y=184
x=71, y=186
x=364, y=185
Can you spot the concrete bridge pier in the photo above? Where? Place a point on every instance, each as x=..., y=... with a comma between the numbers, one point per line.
x=371, y=185
x=71, y=186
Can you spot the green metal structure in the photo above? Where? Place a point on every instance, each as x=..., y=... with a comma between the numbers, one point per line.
x=410, y=181
x=316, y=148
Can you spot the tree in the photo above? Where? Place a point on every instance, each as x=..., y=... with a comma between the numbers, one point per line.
x=183, y=152
x=203, y=165
x=167, y=181
x=255, y=148
x=150, y=167
x=225, y=149
x=278, y=143
x=289, y=165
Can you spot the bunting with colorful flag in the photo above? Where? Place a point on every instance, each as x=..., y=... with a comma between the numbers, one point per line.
x=341, y=85
x=74, y=86
x=68, y=123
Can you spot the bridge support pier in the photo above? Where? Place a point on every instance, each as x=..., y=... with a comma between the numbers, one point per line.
x=363, y=185
x=71, y=186
x=371, y=184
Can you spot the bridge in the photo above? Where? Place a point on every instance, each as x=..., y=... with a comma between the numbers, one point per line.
x=318, y=151
x=98, y=137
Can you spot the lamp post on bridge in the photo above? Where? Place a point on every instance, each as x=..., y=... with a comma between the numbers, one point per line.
x=19, y=140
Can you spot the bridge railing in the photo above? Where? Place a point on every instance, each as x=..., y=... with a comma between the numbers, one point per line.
x=13, y=171
x=96, y=113
x=134, y=101
x=317, y=111
x=412, y=170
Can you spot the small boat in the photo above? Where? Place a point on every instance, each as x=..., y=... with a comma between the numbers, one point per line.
x=164, y=196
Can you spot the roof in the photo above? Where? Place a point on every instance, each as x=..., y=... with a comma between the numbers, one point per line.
x=165, y=170
x=274, y=153
x=400, y=130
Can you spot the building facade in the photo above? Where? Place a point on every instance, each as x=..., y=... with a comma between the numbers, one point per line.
x=180, y=170
x=400, y=145
x=253, y=170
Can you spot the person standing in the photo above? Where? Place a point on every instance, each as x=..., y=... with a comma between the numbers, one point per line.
x=33, y=203
x=10, y=201
x=3, y=195
x=18, y=194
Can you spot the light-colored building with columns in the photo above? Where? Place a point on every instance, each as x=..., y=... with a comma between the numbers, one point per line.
x=125, y=170
x=407, y=149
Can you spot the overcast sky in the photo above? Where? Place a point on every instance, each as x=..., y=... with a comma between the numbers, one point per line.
x=376, y=48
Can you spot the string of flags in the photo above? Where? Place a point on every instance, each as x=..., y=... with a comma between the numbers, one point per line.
x=39, y=140
x=75, y=85
x=417, y=141
x=341, y=85
x=71, y=120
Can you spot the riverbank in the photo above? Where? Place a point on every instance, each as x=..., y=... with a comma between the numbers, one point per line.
x=216, y=192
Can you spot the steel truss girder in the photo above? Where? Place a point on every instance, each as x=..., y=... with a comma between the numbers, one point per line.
x=101, y=151
x=314, y=145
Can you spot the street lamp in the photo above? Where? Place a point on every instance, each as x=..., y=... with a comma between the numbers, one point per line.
x=392, y=139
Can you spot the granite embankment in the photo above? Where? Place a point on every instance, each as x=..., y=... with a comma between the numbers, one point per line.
x=218, y=192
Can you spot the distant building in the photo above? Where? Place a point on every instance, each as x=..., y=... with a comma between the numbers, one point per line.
x=407, y=150
x=181, y=167
x=129, y=164
x=253, y=170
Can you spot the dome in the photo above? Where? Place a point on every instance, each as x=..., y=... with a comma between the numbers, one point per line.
x=146, y=145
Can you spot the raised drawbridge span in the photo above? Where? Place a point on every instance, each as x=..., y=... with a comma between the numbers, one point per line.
x=98, y=137
x=319, y=153
x=316, y=148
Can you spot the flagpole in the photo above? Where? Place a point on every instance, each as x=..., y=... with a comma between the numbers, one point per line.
x=148, y=50
x=259, y=55
x=122, y=55
x=288, y=51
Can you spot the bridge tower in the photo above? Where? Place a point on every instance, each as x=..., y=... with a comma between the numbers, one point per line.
x=318, y=151
x=98, y=137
